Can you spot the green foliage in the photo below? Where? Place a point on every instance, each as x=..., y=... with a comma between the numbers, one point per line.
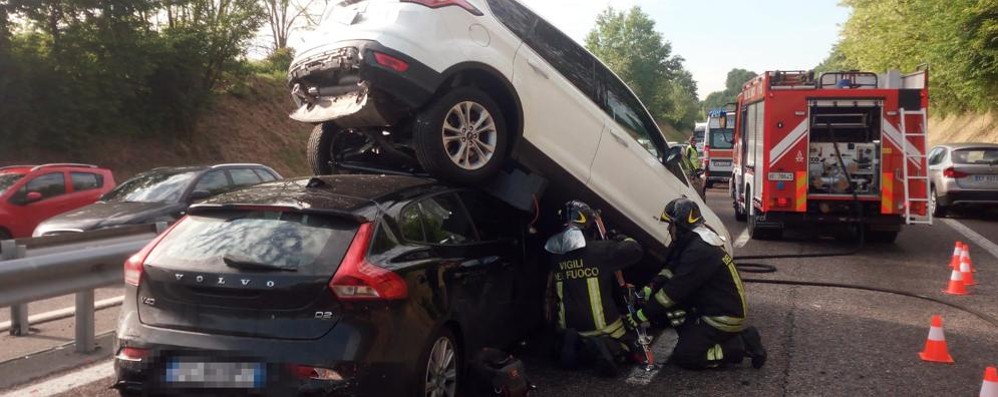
x=628, y=43
x=733, y=86
x=958, y=39
x=73, y=69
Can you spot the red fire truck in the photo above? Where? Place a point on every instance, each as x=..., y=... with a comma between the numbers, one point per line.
x=845, y=147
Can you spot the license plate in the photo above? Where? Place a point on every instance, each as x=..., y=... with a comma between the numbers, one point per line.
x=216, y=375
x=986, y=178
x=781, y=176
x=722, y=163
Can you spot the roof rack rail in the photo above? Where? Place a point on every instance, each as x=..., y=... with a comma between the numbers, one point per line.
x=236, y=165
x=36, y=168
x=7, y=167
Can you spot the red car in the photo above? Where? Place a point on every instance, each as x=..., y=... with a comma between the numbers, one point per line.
x=31, y=194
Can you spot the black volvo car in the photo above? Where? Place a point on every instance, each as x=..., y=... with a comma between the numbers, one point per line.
x=352, y=284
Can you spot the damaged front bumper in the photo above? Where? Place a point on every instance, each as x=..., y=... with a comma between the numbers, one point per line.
x=346, y=85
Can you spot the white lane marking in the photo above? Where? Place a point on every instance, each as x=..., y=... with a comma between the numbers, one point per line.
x=743, y=239
x=973, y=236
x=65, y=312
x=662, y=348
x=66, y=382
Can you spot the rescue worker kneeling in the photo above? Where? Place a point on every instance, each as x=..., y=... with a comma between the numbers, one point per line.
x=589, y=325
x=700, y=293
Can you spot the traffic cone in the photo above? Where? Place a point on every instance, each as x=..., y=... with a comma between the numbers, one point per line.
x=956, y=285
x=954, y=262
x=989, y=388
x=966, y=250
x=966, y=268
x=935, y=345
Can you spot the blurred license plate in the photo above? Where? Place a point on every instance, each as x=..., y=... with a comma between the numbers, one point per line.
x=781, y=176
x=722, y=163
x=215, y=375
x=986, y=178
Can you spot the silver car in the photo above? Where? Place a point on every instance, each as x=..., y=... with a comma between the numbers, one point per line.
x=963, y=174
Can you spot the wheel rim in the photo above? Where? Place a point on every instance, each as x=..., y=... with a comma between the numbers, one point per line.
x=932, y=201
x=441, y=370
x=469, y=135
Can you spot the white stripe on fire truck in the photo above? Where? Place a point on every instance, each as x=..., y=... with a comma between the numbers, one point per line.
x=782, y=148
x=896, y=137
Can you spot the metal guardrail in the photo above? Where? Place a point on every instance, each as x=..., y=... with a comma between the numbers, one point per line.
x=46, y=267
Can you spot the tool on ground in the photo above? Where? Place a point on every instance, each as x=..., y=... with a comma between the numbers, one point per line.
x=956, y=285
x=966, y=268
x=989, y=388
x=935, y=345
x=954, y=263
x=630, y=299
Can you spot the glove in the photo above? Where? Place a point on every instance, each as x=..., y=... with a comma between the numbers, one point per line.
x=646, y=294
x=676, y=318
x=636, y=320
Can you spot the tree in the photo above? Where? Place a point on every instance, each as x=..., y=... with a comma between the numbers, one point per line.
x=733, y=86
x=628, y=43
x=283, y=16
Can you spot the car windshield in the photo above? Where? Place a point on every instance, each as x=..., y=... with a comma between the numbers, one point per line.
x=9, y=179
x=261, y=240
x=976, y=156
x=722, y=138
x=152, y=187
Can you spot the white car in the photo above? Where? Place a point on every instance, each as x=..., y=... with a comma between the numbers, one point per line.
x=462, y=88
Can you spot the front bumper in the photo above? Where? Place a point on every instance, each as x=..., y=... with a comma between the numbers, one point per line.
x=346, y=84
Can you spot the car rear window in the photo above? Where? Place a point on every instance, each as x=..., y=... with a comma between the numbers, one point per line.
x=9, y=179
x=304, y=243
x=976, y=156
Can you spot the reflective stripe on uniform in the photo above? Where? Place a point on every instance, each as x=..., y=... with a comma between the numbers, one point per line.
x=715, y=353
x=664, y=299
x=615, y=330
x=737, y=279
x=560, y=287
x=725, y=323
x=596, y=303
x=665, y=273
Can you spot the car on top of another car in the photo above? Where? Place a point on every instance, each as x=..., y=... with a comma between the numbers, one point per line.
x=30, y=194
x=159, y=195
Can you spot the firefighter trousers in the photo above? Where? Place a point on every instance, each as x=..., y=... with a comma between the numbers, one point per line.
x=702, y=346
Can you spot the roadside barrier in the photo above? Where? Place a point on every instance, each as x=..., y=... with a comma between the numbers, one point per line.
x=46, y=267
x=935, y=345
x=989, y=388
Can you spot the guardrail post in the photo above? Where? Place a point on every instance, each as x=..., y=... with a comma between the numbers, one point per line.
x=85, y=321
x=19, y=325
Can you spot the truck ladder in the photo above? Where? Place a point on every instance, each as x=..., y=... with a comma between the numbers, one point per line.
x=920, y=172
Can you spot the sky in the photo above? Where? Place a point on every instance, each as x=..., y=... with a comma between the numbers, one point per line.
x=715, y=36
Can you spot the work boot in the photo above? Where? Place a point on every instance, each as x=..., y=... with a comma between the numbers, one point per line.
x=753, y=347
x=605, y=361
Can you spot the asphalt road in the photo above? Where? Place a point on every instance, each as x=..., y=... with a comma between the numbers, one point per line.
x=821, y=341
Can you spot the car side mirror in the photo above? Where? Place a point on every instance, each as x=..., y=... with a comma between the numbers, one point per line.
x=198, y=195
x=672, y=155
x=32, y=197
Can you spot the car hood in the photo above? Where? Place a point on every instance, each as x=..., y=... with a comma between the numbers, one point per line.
x=108, y=214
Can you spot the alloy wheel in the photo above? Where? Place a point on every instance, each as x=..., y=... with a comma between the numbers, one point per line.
x=441, y=369
x=469, y=135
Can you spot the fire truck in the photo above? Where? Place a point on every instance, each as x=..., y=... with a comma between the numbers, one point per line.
x=840, y=148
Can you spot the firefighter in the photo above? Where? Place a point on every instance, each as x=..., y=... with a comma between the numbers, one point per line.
x=700, y=293
x=589, y=325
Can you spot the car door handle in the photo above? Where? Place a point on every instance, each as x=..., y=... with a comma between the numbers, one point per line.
x=537, y=68
x=619, y=139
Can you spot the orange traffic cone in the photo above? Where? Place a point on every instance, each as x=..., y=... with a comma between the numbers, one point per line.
x=989, y=388
x=954, y=262
x=966, y=268
x=935, y=346
x=956, y=285
x=966, y=250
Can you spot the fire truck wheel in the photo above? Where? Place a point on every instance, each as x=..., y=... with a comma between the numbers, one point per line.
x=740, y=214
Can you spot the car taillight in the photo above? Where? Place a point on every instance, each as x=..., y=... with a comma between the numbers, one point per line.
x=953, y=173
x=444, y=3
x=135, y=263
x=390, y=62
x=133, y=354
x=305, y=372
x=358, y=279
x=782, y=202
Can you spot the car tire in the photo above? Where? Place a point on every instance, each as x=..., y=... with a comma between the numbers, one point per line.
x=762, y=233
x=320, y=155
x=434, y=363
x=938, y=210
x=740, y=214
x=443, y=130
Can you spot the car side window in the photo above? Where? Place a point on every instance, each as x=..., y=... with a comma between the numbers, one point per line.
x=491, y=217
x=244, y=177
x=265, y=175
x=569, y=58
x=445, y=221
x=86, y=181
x=517, y=18
x=49, y=185
x=213, y=182
x=411, y=223
x=937, y=156
x=628, y=112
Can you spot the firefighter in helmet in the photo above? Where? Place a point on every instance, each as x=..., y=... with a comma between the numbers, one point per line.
x=699, y=292
x=589, y=325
